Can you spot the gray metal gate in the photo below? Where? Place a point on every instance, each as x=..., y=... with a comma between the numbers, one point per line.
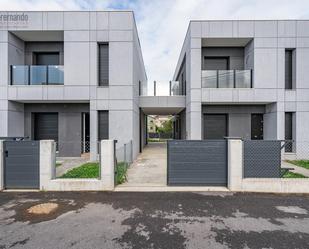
x=202, y=162
x=21, y=164
x=262, y=159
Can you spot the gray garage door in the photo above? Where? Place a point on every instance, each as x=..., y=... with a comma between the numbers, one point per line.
x=215, y=126
x=46, y=126
x=201, y=163
x=21, y=164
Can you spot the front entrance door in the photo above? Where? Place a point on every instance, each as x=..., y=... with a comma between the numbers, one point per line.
x=257, y=126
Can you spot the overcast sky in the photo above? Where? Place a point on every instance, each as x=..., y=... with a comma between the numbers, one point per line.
x=162, y=24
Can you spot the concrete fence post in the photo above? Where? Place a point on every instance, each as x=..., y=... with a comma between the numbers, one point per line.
x=1, y=165
x=47, y=162
x=107, y=163
x=235, y=164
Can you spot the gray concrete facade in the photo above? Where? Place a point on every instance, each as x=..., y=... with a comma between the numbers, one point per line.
x=75, y=35
x=261, y=47
x=69, y=124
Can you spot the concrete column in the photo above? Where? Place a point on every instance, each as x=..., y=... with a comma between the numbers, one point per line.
x=47, y=162
x=107, y=163
x=235, y=164
x=1, y=165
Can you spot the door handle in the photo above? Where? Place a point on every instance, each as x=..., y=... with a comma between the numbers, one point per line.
x=6, y=153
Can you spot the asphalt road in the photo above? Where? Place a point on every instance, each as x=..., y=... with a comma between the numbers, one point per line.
x=155, y=220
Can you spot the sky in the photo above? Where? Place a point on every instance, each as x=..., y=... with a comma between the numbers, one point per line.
x=162, y=24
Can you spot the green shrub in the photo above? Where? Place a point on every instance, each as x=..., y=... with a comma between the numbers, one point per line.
x=121, y=172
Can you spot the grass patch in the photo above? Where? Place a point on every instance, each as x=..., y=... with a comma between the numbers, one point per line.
x=121, y=170
x=290, y=174
x=87, y=170
x=300, y=163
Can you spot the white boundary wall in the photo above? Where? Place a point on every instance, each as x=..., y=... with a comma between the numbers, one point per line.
x=236, y=182
x=48, y=164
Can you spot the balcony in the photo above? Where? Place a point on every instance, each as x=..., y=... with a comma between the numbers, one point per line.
x=168, y=88
x=37, y=75
x=227, y=79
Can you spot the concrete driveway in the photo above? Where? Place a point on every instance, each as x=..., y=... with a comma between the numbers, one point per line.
x=154, y=220
x=150, y=167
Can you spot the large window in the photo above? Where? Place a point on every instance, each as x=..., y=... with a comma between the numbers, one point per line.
x=103, y=64
x=290, y=69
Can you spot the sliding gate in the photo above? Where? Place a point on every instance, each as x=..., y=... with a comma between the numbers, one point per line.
x=197, y=163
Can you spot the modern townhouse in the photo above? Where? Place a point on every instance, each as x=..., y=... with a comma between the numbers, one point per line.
x=79, y=77
x=247, y=79
x=72, y=77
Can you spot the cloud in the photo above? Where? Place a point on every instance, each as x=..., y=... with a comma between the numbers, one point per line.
x=162, y=24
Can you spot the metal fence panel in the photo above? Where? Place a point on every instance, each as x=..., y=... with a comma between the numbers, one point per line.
x=197, y=162
x=21, y=164
x=262, y=159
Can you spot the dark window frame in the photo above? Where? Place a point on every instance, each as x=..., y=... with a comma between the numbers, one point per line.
x=99, y=125
x=290, y=84
x=289, y=131
x=100, y=83
x=35, y=54
x=227, y=58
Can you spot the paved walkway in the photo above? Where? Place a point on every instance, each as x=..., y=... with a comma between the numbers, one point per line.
x=150, y=167
x=297, y=169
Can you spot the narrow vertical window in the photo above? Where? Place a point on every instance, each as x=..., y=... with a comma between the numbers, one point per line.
x=290, y=69
x=289, y=131
x=103, y=64
x=103, y=125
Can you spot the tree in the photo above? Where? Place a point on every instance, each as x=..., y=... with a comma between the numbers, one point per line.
x=167, y=127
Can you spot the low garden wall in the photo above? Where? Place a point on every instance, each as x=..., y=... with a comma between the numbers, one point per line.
x=48, y=181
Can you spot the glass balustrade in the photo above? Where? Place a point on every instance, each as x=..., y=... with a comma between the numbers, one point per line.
x=20, y=75
x=227, y=78
x=162, y=88
x=243, y=78
x=55, y=75
x=37, y=75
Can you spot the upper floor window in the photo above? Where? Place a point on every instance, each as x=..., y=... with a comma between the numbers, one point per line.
x=103, y=64
x=48, y=58
x=290, y=68
x=216, y=63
